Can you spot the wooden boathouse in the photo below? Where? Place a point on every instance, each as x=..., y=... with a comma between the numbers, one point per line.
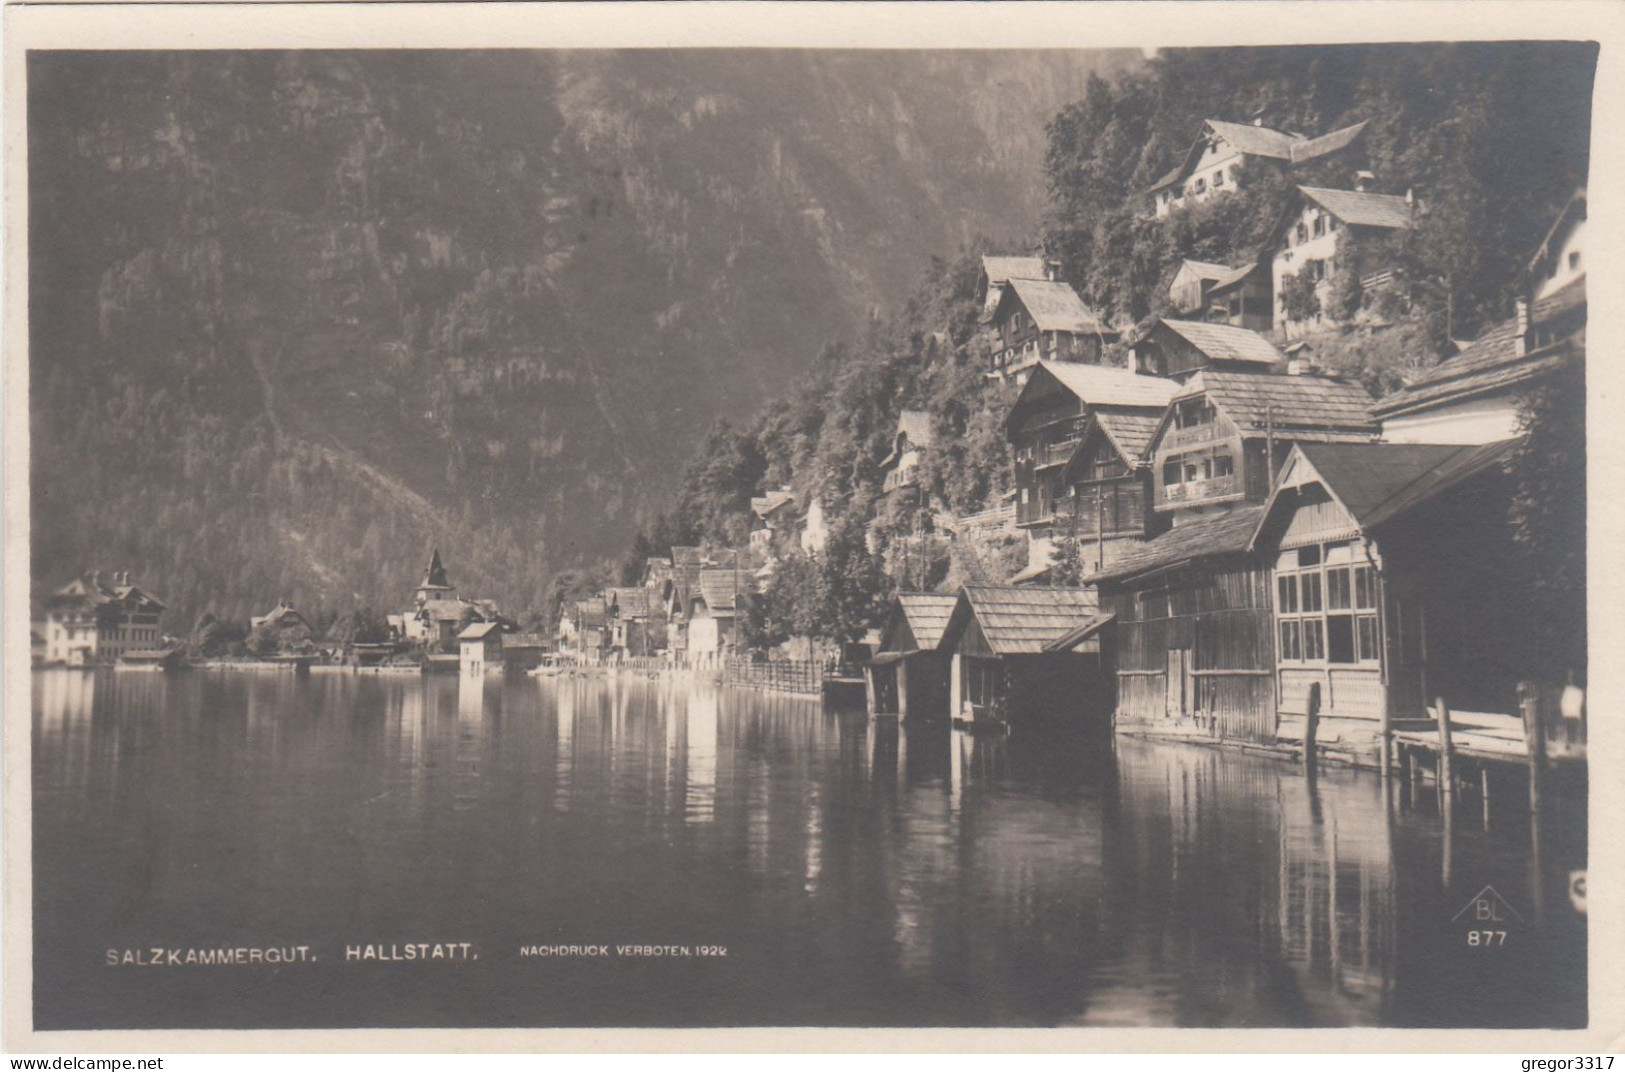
x=1003, y=670
x=1395, y=582
x=1192, y=632
x=909, y=674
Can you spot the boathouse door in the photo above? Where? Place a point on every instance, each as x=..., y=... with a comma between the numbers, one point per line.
x=1180, y=691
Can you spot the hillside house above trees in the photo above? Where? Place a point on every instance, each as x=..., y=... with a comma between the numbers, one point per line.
x=774, y=513
x=901, y=466
x=1475, y=396
x=1329, y=253
x=1218, y=160
x=1178, y=349
x=1044, y=320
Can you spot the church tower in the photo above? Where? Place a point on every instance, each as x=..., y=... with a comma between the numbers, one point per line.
x=435, y=585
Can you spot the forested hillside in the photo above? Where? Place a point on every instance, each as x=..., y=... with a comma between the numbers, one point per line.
x=1494, y=138
x=296, y=317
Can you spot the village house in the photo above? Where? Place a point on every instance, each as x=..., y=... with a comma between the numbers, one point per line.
x=524, y=651
x=627, y=614
x=1108, y=486
x=1178, y=349
x=479, y=648
x=1475, y=396
x=909, y=673
x=1046, y=423
x=282, y=628
x=900, y=467
x=718, y=599
x=775, y=513
x=1225, y=433
x=1395, y=581
x=590, y=632
x=1044, y=320
x=1219, y=158
x=1006, y=663
x=813, y=526
x=1218, y=293
x=89, y=621
x=1329, y=234
x=996, y=275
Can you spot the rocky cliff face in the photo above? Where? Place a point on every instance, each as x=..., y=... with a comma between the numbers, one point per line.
x=297, y=316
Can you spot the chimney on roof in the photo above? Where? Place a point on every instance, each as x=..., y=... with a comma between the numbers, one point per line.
x=1521, y=341
x=1052, y=269
x=1258, y=118
x=1300, y=359
x=1363, y=181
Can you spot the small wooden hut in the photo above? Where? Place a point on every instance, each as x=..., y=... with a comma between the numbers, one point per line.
x=1003, y=668
x=908, y=676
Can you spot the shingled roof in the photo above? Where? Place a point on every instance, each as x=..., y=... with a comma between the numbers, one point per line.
x=721, y=588
x=1294, y=407
x=1222, y=342
x=1492, y=362
x=927, y=615
x=1100, y=385
x=916, y=424
x=1003, y=269
x=1360, y=209
x=765, y=504
x=1130, y=432
x=1263, y=141
x=1184, y=543
x=1055, y=306
x=1020, y=621
x=1378, y=482
x=628, y=602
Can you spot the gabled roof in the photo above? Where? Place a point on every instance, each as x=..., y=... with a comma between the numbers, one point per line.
x=442, y=610
x=1003, y=269
x=1054, y=306
x=1572, y=212
x=1378, y=482
x=927, y=614
x=1184, y=543
x=764, y=505
x=1204, y=269
x=1069, y=640
x=1308, y=149
x=1491, y=362
x=1293, y=407
x=1130, y=432
x=687, y=556
x=1020, y=621
x=1263, y=141
x=721, y=588
x=1222, y=342
x=1362, y=209
x=276, y=617
x=590, y=613
x=1096, y=385
x=628, y=602
x=478, y=631
x=1232, y=277
x=916, y=424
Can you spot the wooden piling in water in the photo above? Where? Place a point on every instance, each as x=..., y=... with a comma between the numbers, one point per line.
x=1311, y=724
x=1445, y=774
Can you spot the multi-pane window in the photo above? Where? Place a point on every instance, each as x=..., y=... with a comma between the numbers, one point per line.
x=1326, y=606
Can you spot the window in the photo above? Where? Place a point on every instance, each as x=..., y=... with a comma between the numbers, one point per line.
x=1223, y=465
x=1201, y=186
x=1331, y=223
x=1320, y=226
x=1303, y=232
x=1218, y=178
x=1330, y=599
x=1574, y=260
x=1170, y=472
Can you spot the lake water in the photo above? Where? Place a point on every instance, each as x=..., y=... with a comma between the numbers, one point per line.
x=856, y=873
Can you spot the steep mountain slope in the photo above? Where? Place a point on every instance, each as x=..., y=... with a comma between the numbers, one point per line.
x=296, y=316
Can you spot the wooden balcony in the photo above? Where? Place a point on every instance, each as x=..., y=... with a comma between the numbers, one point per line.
x=1196, y=492
x=1195, y=435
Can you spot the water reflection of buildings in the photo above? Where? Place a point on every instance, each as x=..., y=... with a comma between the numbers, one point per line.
x=700, y=756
